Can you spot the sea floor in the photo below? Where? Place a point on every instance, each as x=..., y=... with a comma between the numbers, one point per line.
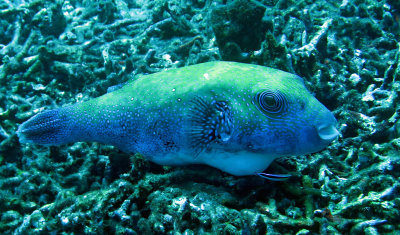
x=54, y=53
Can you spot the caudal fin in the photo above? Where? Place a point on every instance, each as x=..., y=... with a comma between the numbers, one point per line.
x=46, y=128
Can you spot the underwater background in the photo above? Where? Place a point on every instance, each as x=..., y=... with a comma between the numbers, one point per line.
x=54, y=53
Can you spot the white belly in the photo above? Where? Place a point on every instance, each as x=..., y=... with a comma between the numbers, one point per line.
x=235, y=163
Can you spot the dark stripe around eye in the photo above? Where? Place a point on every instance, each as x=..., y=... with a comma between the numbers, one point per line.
x=272, y=102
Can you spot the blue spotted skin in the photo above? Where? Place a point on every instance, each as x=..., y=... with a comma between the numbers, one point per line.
x=151, y=115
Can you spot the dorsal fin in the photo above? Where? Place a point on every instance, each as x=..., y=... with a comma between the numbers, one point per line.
x=115, y=87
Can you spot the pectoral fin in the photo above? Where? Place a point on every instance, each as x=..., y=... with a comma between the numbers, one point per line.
x=210, y=121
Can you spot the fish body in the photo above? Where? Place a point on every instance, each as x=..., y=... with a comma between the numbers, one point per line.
x=232, y=116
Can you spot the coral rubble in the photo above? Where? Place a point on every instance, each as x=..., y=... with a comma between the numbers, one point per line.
x=54, y=53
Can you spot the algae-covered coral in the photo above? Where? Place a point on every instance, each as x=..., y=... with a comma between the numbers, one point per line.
x=54, y=53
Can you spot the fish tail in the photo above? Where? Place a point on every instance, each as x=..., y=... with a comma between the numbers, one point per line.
x=46, y=128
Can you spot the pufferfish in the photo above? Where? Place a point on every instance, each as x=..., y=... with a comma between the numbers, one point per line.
x=232, y=116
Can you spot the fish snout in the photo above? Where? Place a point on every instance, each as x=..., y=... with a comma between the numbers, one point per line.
x=326, y=130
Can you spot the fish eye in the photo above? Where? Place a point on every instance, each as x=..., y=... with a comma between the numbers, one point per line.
x=270, y=101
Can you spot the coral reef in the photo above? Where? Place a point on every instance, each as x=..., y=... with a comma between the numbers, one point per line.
x=54, y=53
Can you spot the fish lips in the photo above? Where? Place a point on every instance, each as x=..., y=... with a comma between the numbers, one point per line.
x=327, y=132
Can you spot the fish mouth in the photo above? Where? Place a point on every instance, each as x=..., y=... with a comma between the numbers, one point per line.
x=327, y=132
